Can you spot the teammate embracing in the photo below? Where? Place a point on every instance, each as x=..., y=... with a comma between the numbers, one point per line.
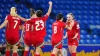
x=27, y=33
x=39, y=29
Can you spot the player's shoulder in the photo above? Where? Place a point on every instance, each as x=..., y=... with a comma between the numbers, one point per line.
x=62, y=22
x=76, y=22
x=8, y=15
x=54, y=23
x=45, y=15
x=32, y=19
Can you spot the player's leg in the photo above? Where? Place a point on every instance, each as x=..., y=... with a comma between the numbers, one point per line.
x=60, y=52
x=27, y=43
x=15, y=48
x=37, y=51
x=39, y=42
x=26, y=49
x=57, y=47
x=7, y=50
x=70, y=49
x=8, y=46
x=74, y=47
x=55, y=51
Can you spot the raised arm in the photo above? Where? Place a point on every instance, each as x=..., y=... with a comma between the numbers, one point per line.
x=4, y=24
x=50, y=8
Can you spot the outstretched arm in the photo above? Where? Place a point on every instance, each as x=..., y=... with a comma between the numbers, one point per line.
x=4, y=24
x=50, y=8
x=23, y=19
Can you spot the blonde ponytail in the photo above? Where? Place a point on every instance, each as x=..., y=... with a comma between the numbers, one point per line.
x=13, y=11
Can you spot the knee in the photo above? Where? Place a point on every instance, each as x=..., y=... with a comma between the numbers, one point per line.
x=38, y=50
x=55, y=51
x=73, y=50
x=8, y=48
x=70, y=50
x=26, y=48
x=15, y=48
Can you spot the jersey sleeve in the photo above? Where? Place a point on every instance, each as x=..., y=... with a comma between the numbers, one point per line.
x=45, y=17
x=64, y=25
x=77, y=28
x=30, y=21
x=7, y=17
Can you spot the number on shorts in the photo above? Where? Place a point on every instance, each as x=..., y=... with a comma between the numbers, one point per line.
x=39, y=23
x=16, y=22
x=27, y=27
x=55, y=29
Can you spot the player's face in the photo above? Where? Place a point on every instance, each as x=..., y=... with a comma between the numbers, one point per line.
x=69, y=18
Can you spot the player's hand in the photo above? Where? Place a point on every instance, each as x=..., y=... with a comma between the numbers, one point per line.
x=74, y=37
x=16, y=15
x=64, y=37
x=50, y=3
x=66, y=26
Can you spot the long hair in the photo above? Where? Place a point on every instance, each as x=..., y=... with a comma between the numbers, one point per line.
x=71, y=14
x=13, y=11
x=32, y=11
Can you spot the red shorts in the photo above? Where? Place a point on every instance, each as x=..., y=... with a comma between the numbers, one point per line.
x=27, y=41
x=73, y=42
x=57, y=44
x=12, y=40
x=12, y=37
x=38, y=41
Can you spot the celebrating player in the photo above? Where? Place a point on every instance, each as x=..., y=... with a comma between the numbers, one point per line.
x=39, y=29
x=27, y=28
x=73, y=33
x=57, y=35
x=12, y=31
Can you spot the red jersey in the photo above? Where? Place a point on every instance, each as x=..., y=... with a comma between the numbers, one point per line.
x=27, y=29
x=13, y=25
x=39, y=25
x=75, y=29
x=57, y=30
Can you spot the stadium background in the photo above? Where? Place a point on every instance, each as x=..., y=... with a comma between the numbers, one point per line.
x=87, y=13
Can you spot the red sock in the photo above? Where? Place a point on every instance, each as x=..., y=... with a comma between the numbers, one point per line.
x=37, y=55
x=73, y=54
x=25, y=53
x=7, y=53
x=52, y=55
x=14, y=54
